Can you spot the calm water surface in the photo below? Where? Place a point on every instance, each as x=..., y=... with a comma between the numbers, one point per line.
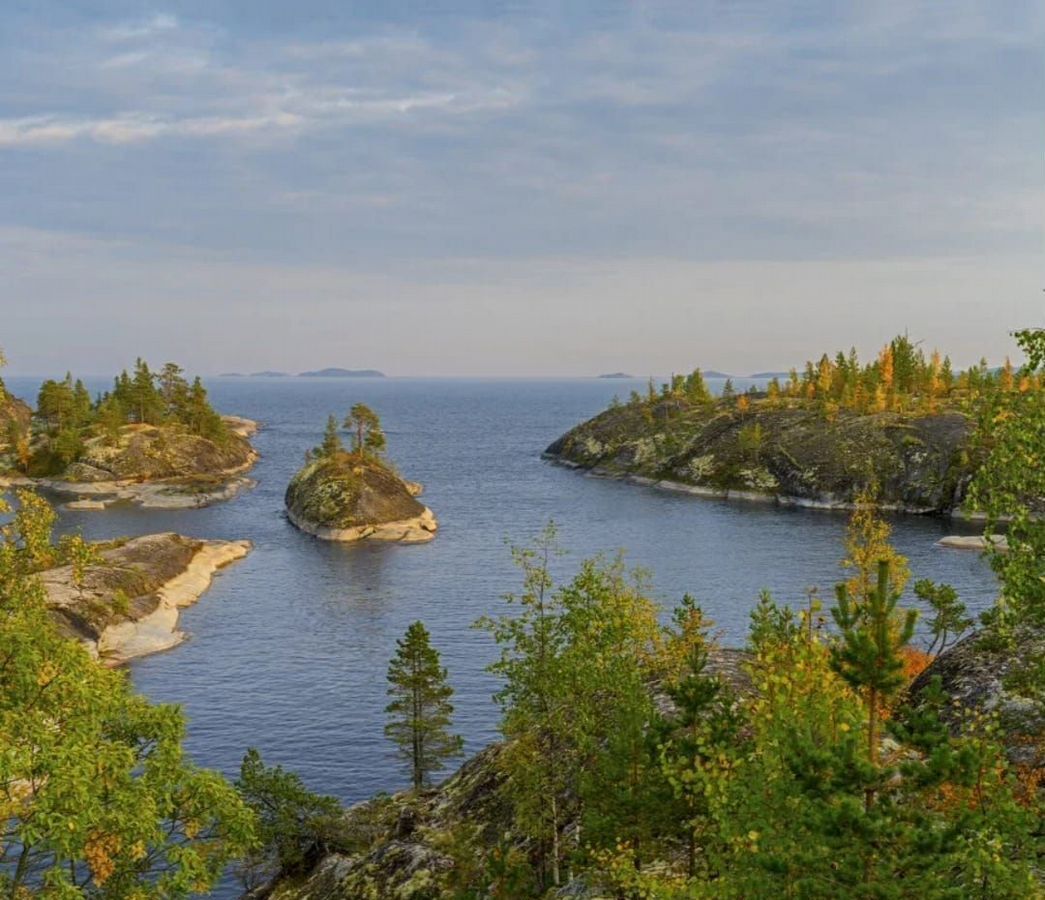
x=289, y=648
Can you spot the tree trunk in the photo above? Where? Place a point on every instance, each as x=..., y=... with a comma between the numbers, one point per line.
x=872, y=741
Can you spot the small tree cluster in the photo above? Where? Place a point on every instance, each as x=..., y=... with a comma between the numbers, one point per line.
x=368, y=438
x=67, y=416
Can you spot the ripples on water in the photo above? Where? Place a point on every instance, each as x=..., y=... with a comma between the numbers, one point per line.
x=289, y=648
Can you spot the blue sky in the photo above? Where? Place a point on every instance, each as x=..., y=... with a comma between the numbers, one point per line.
x=516, y=188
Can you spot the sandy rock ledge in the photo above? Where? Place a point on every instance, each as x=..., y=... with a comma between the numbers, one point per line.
x=156, y=576
x=418, y=530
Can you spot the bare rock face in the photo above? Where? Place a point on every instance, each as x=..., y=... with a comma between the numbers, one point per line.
x=981, y=675
x=151, y=453
x=348, y=499
x=128, y=604
x=794, y=455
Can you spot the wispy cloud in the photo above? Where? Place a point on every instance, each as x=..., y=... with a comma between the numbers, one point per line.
x=374, y=137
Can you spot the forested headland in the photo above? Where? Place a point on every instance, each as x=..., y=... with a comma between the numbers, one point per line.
x=905, y=422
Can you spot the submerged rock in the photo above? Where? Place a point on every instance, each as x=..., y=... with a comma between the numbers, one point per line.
x=346, y=498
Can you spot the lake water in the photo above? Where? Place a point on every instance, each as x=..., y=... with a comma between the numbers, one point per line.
x=289, y=648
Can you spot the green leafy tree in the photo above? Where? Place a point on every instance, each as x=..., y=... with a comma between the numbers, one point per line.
x=576, y=662
x=697, y=389
x=295, y=827
x=80, y=555
x=534, y=715
x=1009, y=487
x=173, y=391
x=950, y=619
x=703, y=731
x=368, y=437
x=420, y=712
x=146, y=405
x=96, y=795
x=751, y=439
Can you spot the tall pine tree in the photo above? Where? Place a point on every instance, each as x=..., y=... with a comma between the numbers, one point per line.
x=420, y=713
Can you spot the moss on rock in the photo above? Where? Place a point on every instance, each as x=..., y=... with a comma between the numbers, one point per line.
x=345, y=493
x=919, y=463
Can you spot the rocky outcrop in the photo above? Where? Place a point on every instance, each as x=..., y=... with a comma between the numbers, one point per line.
x=163, y=467
x=407, y=845
x=792, y=455
x=981, y=675
x=128, y=604
x=348, y=499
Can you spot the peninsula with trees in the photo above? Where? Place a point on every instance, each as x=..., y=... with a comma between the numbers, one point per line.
x=351, y=495
x=906, y=422
x=153, y=439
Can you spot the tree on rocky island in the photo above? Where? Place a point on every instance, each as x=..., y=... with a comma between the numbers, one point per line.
x=420, y=713
x=368, y=437
x=331, y=445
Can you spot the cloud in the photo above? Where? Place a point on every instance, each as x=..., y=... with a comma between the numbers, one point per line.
x=160, y=23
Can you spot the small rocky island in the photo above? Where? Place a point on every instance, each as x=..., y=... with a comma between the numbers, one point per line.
x=342, y=495
x=153, y=440
x=904, y=423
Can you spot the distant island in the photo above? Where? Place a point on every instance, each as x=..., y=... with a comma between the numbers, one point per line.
x=714, y=373
x=343, y=373
x=269, y=374
x=617, y=375
x=770, y=375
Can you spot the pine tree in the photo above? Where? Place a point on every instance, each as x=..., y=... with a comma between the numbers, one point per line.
x=873, y=632
x=331, y=445
x=146, y=404
x=420, y=713
x=366, y=426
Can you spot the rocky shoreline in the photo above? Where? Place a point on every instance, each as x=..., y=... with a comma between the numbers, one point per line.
x=129, y=603
x=791, y=457
x=347, y=498
x=189, y=492
x=418, y=530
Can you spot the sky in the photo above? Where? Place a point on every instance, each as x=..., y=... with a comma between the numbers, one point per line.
x=455, y=187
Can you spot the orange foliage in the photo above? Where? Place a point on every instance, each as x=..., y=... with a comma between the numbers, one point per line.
x=915, y=662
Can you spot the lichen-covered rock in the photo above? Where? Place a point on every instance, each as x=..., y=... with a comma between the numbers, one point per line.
x=792, y=453
x=415, y=845
x=347, y=498
x=410, y=839
x=980, y=675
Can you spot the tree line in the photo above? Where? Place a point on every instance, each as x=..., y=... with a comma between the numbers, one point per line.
x=902, y=378
x=67, y=417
